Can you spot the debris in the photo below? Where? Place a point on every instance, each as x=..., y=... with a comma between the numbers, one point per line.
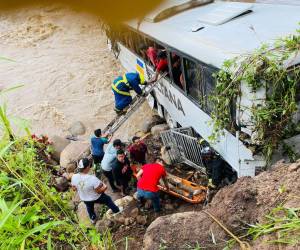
x=141, y=219
x=157, y=129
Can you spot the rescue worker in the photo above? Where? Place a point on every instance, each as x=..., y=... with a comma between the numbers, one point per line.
x=148, y=180
x=97, y=144
x=121, y=88
x=91, y=190
x=137, y=150
x=122, y=171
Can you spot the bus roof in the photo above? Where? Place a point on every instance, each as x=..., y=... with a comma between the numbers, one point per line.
x=231, y=35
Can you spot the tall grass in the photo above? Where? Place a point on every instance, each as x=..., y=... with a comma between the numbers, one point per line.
x=284, y=223
x=33, y=215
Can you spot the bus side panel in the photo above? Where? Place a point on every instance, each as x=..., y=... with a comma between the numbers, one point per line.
x=185, y=112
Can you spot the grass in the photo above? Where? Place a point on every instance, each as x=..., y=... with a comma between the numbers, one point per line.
x=33, y=215
x=283, y=222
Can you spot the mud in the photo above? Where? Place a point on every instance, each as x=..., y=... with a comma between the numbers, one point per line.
x=61, y=58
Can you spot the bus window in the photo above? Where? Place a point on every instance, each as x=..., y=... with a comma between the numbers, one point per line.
x=210, y=84
x=193, y=78
x=176, y=70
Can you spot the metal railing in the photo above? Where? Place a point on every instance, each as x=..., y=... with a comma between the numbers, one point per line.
x=183, y=147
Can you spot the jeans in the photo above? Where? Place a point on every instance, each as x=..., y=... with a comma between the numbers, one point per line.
x=153, y=196
x=111, y=179
x=103, y=199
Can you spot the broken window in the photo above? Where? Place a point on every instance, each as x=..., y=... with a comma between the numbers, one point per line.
x=176, y=70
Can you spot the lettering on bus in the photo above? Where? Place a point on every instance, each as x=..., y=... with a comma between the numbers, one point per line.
x=171, y=97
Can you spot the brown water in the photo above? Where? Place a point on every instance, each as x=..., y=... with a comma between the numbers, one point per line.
x=62, y=59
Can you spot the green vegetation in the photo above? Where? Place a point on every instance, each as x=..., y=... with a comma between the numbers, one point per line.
x=283, y=222
x=263, y=70
x=33, y=215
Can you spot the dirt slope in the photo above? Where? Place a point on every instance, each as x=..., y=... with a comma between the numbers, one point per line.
x=236, y=206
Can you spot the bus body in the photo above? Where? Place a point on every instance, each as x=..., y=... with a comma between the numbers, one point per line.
x=203, y=37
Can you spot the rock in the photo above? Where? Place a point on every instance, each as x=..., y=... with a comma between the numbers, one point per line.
x=165, y=155
x=128, y=221
x=294, y=166
x=157, y=129
x=125, y=201
x=120, y=219
x=77, y=128
x=103, y=225
x=82, y=215
x=169, y=207
x=134, y=212
x=58, y=145
x=61, y=184
x=72, y=154
x=148, y=124
x=141, y=219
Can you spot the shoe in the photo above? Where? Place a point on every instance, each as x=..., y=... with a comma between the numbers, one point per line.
x=120, y=211
x=93, y=221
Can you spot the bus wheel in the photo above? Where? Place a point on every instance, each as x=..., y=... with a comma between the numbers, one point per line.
x=169, y=120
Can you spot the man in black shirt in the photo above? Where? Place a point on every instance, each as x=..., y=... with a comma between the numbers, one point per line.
x=122, y=171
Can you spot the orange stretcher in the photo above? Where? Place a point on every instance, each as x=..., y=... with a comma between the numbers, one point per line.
x=184, y=189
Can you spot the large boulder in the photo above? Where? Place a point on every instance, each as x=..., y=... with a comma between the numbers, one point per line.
x=77, y=128
x=83, y=216
x=157, y=129
x=58, y=144
x=148, y=124
x=176, y=230
x=72, y=154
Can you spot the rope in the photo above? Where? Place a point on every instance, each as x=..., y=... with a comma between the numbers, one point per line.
x=243, y=245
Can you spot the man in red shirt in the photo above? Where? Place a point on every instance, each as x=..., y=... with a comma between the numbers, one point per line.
x=162, y=65
x=148, y=180
x=137, y=150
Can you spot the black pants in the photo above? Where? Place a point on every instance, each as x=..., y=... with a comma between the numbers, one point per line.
x=97, y=158
x=103, y=199
x=111, y=179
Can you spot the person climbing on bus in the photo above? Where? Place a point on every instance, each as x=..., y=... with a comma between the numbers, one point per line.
x=149, y=53
x=97, y=144
x=162, y=65
x=121, y=88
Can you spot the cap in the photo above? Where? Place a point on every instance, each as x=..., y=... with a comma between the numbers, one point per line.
x=83, y=163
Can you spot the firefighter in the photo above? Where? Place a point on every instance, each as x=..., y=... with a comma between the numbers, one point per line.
x=121, y=88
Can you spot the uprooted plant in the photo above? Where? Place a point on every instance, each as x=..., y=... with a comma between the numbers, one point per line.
x=266, y=69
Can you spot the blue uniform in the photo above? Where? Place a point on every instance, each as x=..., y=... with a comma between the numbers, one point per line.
x=121, y=88
x=97, y=144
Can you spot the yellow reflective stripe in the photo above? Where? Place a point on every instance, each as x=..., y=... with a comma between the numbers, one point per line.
x=126, y=81
x=120, y=91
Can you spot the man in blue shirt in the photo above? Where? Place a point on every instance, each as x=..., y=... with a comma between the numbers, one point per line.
x=121, y=88
x=97, y=144
x=107, y=162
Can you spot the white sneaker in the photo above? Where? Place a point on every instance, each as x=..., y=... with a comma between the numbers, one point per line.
x=121, y=210
x=93, y=221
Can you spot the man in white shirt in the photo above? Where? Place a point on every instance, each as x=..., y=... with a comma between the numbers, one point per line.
x=107, y=162
x=91, y=189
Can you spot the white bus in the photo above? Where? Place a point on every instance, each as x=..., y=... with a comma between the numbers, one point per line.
x=203, y=36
